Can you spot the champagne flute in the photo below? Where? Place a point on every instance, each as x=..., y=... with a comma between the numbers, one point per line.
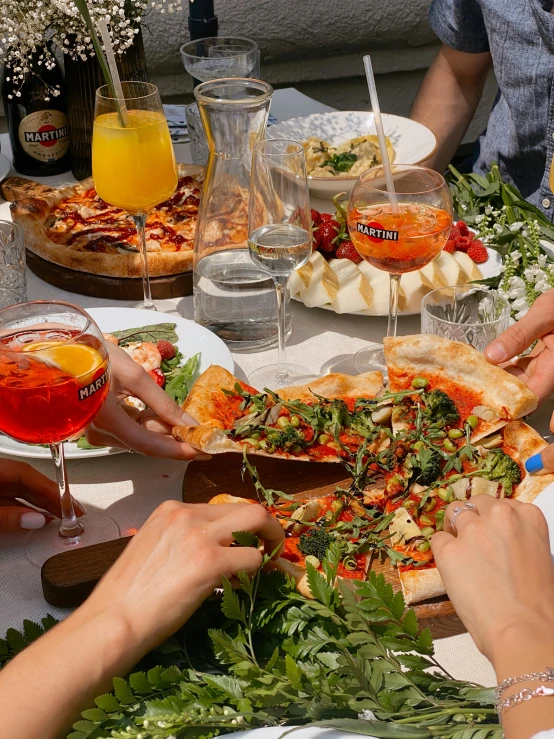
x=54, y=378
x=133, y=164
x=401, y=238
x=280, y=239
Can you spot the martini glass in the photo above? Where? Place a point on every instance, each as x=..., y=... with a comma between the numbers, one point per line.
x=54, y=378
x=397, y=239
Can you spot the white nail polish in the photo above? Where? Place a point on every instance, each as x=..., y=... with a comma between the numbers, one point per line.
x=32, y=520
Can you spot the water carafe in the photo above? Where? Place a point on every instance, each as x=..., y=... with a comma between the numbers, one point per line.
x=232, y=296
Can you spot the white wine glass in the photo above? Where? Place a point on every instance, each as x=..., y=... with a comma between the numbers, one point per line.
x=280, y=238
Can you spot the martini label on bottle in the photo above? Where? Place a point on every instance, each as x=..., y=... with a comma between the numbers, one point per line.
x=44, y=135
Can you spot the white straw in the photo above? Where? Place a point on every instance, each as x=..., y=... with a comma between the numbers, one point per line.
x=110, y=56
x=380, y=133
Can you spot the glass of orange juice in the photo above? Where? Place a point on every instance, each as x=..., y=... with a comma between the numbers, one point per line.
x=398, y=237
x=133, y=163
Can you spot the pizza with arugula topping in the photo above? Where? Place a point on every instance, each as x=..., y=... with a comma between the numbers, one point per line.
x=445, y=430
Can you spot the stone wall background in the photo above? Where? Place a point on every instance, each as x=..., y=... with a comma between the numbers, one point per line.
x=317, y=47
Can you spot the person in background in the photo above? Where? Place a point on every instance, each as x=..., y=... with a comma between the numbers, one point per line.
x=146, y=432
x=517, y=39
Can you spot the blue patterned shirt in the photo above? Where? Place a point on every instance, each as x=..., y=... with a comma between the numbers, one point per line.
x=520, y=37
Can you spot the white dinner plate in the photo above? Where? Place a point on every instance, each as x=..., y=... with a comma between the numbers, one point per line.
x=545, y=501
x=413, y=142
x=306, y=732
x=490, y=268
x=192, y=339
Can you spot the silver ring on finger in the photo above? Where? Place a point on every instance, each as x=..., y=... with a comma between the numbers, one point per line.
x=458, y=512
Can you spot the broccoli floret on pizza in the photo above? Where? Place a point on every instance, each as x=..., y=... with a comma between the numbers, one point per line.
x=440, y=407
x=426, y=466
x=315, y=543
x=500, y=467
x=287, y=438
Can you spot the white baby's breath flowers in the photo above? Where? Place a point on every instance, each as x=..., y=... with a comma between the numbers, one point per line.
x=27, y=25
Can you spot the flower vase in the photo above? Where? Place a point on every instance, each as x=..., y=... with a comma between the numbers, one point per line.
x=82, y=79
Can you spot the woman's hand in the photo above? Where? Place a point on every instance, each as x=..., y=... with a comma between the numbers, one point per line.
x=537, y=371
x=147, y=432
x=20, y=480
x=497, y=570
x=176, y=560
x=166, y=571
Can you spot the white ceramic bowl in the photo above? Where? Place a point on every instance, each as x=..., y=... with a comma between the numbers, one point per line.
x=413, y=142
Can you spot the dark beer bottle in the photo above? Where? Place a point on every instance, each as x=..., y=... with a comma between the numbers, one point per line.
x=37, y=120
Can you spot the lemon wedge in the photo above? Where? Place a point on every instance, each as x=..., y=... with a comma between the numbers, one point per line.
x=75, y=360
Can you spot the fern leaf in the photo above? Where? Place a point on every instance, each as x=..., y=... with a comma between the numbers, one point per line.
x=140, y=683
x=320, y=588
x=231, y=604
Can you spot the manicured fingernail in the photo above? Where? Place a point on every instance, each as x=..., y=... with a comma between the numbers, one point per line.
x=534, y=464
x=496, y=352
x=32, y=520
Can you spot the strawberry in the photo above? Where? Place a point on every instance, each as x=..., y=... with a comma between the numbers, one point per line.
x=166, y=349
x=347, y=250
x=316, y=218
x=326, y=236
x=158, y=376
x=478, y=252
x=449, y=247
x=326, y=216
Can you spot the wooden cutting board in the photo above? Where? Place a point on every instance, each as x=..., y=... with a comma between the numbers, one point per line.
x=222, y=474
x=68, y=578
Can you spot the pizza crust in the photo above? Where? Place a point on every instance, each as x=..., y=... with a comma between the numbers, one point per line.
x=208, y=436
x=33, y=210
x=461, y=364
x=420, y=585
x=523, y=442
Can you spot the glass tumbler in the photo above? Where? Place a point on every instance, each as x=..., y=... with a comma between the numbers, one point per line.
x=220, y=57
x=469, y=314
x=198, y=142
x=13, y=280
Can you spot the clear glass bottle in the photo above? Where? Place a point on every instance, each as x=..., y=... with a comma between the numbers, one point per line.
x=232, y=296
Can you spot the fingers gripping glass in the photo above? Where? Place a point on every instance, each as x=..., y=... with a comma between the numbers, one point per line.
x=280, y=239
x=401, y=239
x=133, y=164
x=55, y=377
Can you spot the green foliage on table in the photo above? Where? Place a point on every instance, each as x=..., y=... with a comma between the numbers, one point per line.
x=265, y=655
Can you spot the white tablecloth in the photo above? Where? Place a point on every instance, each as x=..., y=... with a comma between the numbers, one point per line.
x=128, y=487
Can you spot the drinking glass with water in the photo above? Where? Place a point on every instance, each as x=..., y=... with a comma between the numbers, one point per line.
x=13, y=282
x=280, y=238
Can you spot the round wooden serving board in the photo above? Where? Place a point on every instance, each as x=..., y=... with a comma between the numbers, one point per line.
x=114, y=288
x=222, y=474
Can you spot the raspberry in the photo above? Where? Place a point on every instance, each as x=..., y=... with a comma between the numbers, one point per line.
x=316, y=217
x=478, y=252
x=464, y=242
x=449, y=247
x=166, y=349
x=347, y=250
x=326, y=235
x=158, y=376
x=462, y=228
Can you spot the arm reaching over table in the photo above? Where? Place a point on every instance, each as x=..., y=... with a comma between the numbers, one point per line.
x=537, y=369
x=168, y=569
x=497, y=569
x=147, y=432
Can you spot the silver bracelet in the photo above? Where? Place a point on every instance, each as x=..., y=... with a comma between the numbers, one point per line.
x=547, y=677
x=524, y=695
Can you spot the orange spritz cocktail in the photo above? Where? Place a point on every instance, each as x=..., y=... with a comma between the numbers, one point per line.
x=134, y=166
x=51, y=386
x=399, y=242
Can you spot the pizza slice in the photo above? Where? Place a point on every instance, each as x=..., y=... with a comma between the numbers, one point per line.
x=494, y=466
x=453, y=379
x=324, y=421
x=311, y=524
